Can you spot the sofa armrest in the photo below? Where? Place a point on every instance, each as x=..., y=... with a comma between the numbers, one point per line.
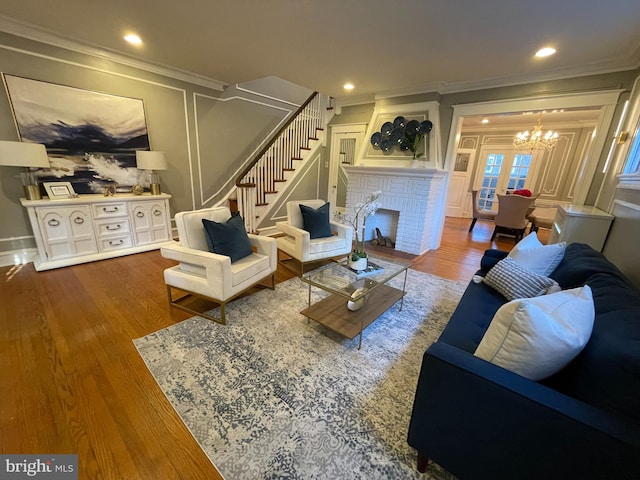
x=490, y=258
x=479, y=420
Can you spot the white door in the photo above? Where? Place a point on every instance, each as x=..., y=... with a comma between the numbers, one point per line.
x=345, y=144
x=458, y=195
x=503, y=169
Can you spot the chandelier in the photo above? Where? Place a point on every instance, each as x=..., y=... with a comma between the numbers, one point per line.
x=536, y=140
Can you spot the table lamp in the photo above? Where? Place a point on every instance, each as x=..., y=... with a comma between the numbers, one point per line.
x=27, y=155
x=152, y=160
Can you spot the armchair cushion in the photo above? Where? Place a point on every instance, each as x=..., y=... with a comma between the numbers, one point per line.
x=229, y=238
x=316, y=220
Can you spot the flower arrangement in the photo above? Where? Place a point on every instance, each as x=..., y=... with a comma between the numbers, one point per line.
x=358, y=221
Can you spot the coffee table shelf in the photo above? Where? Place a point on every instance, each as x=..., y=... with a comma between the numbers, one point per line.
x=332, y=311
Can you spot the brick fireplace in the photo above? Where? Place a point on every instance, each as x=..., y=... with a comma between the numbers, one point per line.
x=417, y=194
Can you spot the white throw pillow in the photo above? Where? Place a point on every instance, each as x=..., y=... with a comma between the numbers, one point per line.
x=537, y=337
x=539, y=258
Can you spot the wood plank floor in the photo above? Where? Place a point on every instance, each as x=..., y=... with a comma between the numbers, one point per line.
x=71, y=380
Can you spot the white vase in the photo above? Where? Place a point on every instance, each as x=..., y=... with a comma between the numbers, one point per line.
x=359, y=264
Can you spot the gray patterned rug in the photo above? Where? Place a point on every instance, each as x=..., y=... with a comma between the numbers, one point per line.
x=272, y=395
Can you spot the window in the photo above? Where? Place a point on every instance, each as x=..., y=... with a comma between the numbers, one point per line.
x=632, y=164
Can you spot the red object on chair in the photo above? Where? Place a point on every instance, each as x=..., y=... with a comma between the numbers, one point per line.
x=524, y=192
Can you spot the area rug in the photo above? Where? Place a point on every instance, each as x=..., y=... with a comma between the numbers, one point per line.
x=274, y=395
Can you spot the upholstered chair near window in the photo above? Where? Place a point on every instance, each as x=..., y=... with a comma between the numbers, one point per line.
x=312, y=237
x=479, y=212
x=218, y=259
x=512, y=215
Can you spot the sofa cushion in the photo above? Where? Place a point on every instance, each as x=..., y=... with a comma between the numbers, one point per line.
x=514, y=280
x=580, y=262
x=539, y=258
x=606, y=374
x=229, y=238
x=316, y=220
x=472, y=316
x=537, y=337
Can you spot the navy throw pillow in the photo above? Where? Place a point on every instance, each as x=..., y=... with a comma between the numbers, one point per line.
x=229, y=238
x=316, y=221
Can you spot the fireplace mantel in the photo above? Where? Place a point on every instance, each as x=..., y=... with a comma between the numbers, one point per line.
x=418, y=194
x=395, y=171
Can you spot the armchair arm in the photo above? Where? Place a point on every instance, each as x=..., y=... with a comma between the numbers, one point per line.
x=343, y=231
x=471, y=416
x=217, y=268
x=301, y=238
x=266, y=246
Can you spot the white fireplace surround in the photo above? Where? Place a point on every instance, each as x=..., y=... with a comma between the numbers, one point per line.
x=417, y=193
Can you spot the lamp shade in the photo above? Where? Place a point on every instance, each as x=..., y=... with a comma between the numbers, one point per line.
x=23, y=154
x=151, y=160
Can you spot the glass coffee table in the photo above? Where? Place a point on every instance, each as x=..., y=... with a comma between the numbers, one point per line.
x=341, y=282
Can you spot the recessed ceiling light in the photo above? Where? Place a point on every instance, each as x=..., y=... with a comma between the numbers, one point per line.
x=485, y=120
x=133, y=39
x=545, y=52
x=348, y=86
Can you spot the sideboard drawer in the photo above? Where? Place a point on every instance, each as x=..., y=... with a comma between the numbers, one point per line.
x=115, y=243
x=113, y=227
x=109, y=210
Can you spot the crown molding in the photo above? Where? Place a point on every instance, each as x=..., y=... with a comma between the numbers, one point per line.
x=38, y=34
x=619, y=64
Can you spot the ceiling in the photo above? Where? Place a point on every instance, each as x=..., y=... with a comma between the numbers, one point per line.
x=567, y=118
x=384, y=47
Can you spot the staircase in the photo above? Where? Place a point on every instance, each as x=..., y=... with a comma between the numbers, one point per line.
x=260, y=185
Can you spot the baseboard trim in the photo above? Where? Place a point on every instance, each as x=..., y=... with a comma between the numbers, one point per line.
x=17, y=257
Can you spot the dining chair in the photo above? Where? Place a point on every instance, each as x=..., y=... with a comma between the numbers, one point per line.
x=479, y=212
x=511, y=218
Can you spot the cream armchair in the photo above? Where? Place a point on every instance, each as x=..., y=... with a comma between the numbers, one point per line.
x=209, y=275
x=298, y=245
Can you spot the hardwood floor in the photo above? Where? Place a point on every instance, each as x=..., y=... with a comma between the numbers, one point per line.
x=71, y=380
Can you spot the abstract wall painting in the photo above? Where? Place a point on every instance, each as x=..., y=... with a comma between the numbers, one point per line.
x=91, y=137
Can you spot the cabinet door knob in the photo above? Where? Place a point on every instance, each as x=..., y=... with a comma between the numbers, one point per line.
x=157, y=213
x=112, y=210
x=53, y=222
x=113, y=227
x=139, y=214
x=78, y=220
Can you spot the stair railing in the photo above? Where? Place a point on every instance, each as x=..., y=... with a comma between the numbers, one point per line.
x=269, y=166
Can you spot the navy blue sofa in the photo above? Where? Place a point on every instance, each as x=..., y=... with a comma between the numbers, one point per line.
x=480, y=421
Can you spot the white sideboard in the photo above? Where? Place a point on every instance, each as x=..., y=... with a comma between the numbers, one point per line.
x=94, y=227
x=582, y=224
